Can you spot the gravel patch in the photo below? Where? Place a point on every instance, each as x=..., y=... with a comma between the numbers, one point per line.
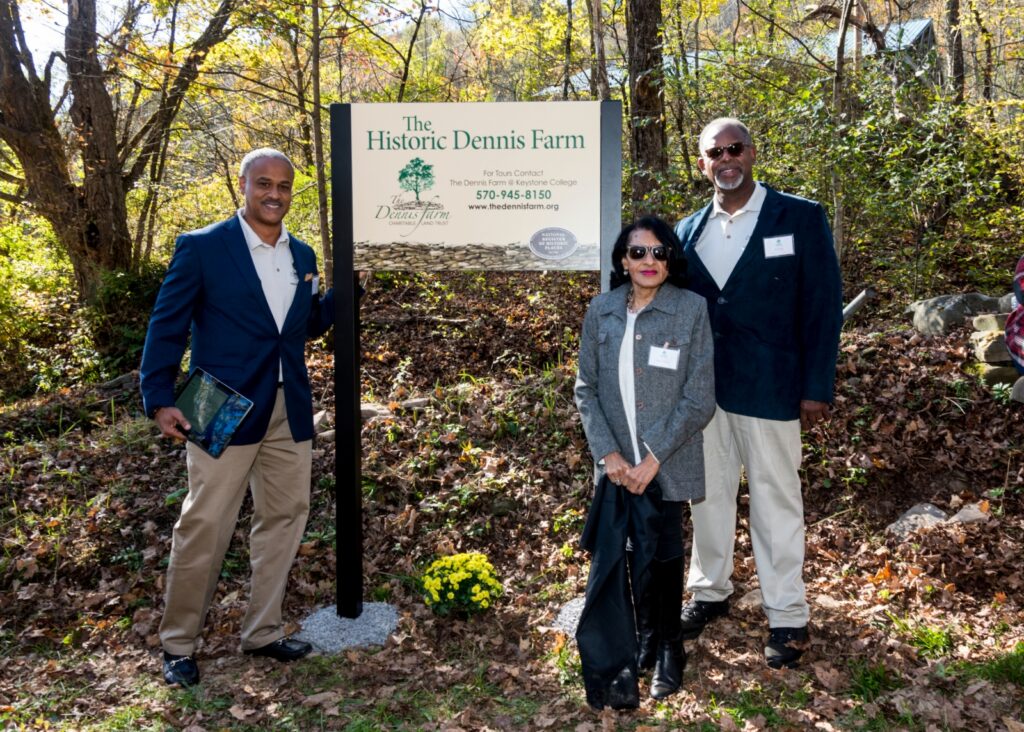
x=329, y=633
x=569, y=616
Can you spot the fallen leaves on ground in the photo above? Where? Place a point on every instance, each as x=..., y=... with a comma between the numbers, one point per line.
x=495, y=461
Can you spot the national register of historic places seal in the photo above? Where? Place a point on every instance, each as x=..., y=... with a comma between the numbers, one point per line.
x=553, y=243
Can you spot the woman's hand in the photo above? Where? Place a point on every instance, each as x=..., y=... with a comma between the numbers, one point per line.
x=639, y=477
x=616, y=467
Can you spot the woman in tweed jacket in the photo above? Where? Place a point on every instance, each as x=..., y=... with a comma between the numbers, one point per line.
x=645, y=389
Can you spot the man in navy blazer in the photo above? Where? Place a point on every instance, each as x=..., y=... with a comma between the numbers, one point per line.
x=765, y=263
x=248, y=292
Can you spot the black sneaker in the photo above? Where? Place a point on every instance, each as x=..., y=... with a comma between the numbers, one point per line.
x=698, y=613
x=180, y=670
x=785, y=646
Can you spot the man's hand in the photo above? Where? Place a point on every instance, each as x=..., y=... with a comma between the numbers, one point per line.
x=615, y=467
x=639, y=477
x=812, y=412
x=169, y=419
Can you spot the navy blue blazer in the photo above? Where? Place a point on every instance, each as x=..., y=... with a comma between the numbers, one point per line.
x=212, y=289
x=776, y=322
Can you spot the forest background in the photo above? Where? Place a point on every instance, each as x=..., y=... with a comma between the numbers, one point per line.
x=905, y=119
x=129, y=132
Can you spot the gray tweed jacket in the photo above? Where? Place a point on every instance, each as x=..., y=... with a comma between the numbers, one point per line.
x=672, y=406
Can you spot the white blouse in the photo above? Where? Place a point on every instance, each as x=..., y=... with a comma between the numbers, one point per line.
x=627, y=381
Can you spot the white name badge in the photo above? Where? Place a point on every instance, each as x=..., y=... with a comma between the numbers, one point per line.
x=778, y=246
x=664, y=358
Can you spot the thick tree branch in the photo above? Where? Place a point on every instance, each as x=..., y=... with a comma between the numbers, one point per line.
x=129, y=117
x=9, y=178
x=148, y=139
x=24, y=54
x=48, y=71
x=407, y=58
x=10, y=135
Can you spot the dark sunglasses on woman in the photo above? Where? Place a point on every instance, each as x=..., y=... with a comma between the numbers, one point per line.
x=638, y=252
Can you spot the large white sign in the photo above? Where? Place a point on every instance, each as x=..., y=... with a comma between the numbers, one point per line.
x=512, y=186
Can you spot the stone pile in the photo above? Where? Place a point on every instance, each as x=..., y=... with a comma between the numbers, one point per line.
x=427, y=257
x=940, y=315
x=989, y=344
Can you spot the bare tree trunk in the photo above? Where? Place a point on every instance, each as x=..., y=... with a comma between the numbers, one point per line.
x=988, y=69
x=683, y=74
x=857, y=43
x=567, y=66
x=696, y=55
x=295, y=41
x=597, y=34
x=955, y=42
x=318, y=152
x=593, y=51
x=407, y=60
x=839, y=219
x=646, y=77
x=102, y=241
x=340, y=62
x=159, y=167
x=147, y=217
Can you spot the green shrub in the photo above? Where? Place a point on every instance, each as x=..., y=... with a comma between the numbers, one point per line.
x=120, y=315
x=37, y=309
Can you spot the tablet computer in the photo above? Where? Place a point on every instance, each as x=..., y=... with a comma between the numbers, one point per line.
x=213, y=409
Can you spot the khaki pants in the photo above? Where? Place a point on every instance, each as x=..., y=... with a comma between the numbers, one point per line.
x=770, y=452
x=277, y=470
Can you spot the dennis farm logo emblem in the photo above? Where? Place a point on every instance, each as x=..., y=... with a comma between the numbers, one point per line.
x=412, y=209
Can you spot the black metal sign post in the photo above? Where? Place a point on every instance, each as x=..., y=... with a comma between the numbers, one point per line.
x=348, y=421
x=611, y=184
x=348, y=492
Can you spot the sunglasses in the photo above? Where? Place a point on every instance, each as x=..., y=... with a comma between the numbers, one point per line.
x=735, y=150
x=638, y=252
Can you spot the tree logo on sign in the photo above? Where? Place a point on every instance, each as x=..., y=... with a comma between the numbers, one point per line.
x=407, y=213
x=416, y=177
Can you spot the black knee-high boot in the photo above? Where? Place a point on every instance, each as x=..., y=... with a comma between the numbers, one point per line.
x=667, y=592
x=647, y=626
x=645, y=609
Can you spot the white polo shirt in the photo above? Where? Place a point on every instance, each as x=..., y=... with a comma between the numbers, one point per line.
x=275, y=266
x=725, y=236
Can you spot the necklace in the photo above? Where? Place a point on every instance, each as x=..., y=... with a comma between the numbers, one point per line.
x=630, y=300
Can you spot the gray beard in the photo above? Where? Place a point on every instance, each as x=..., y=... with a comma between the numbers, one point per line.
x=729, y=186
